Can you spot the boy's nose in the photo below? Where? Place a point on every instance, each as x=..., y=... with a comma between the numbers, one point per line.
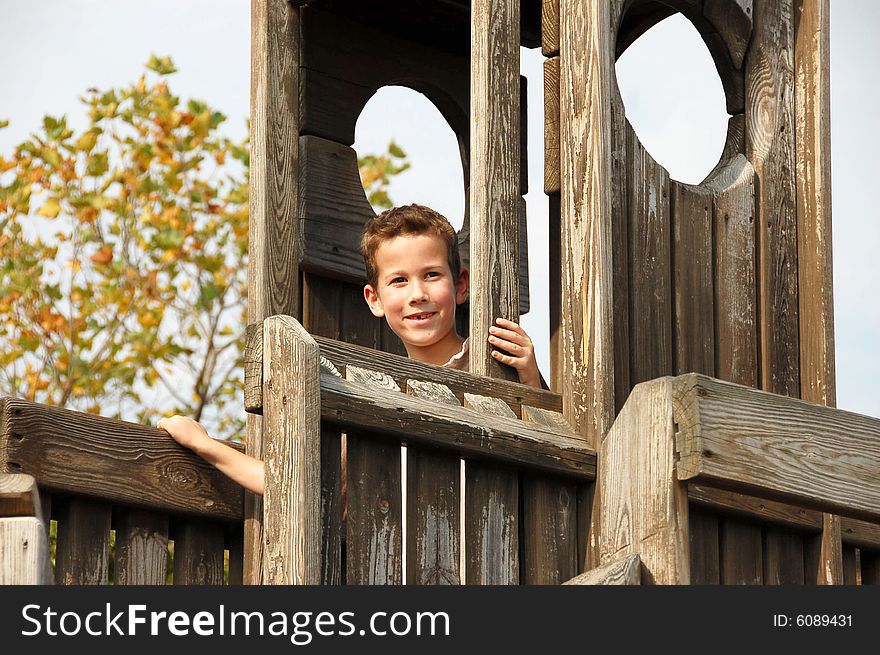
x=419, y=293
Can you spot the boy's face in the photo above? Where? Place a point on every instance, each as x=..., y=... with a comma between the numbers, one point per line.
x=417, y=295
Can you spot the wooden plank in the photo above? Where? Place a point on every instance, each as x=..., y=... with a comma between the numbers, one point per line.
x=198, y=553
x=694, y=289
x=321, y=306
x=734, y=21
x=823, y=554
x=770, y=147
x=83, y=551
x=812, y=98
x=19, y=496
x=850, y=568
x=760, y=510
x=274, y=240
x=625, y=571
x=585, y=495
x=551, y=125
x=620, y=249
x=433, y=504
x=235, y=547
x=120, y=462
x=141, y=548
x=547, y=418
x=549, y=536
x=470, y=433
x=778, y=447
x=644, y=506
x=24, y=552
x=292, y=446
x=650, y=329
x=704, y=547
x=494, y=178
x=332, y=527
x=783, y=557
x=860, y=533
x=741, y=553
x=586, y=261
x=550, y=27
x=554, y=288
x=734, y=145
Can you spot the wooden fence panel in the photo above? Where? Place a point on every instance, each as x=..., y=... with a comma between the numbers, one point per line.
x=83, y=549
x=141, y=547
x=198, y=553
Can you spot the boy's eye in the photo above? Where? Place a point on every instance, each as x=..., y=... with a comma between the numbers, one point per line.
x=433, y=274
x=398, y=280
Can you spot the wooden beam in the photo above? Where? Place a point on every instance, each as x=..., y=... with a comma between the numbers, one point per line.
x=19, y=496
x=292, y=446
x=625, y=571
x=494, y=180
x=759, y=509
x=644, y=506
x=549, y=27
x=755, y=442
x=24, y=552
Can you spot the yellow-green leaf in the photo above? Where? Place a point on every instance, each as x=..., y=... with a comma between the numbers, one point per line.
x=50, y=209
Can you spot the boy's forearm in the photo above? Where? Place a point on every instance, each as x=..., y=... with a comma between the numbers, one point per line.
x=242, y=468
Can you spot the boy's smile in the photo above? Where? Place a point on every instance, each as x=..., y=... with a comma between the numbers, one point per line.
x=417, y=295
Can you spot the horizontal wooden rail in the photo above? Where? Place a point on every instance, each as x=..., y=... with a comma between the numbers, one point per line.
x=400, y=368
x=762, y=444
x=120, y=462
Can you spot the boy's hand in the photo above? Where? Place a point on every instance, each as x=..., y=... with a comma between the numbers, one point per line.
x=520, y=353
x=185, y=431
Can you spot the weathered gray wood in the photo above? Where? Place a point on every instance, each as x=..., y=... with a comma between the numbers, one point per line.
x=551, y=125
x=252, y=505
x=83, y=550
x=585, y=145
x=433, y=504
x=733, y=19
x=332, y=528
x=494, y=179
x=734, y=145
x=492, y=522
x=770, y=147
x=620, y=132
x=549, y=522
x=141, y=548
x=783, y=557
x=370, y=378
x=547, y=418
x=778, y=447
x=292, y=447
x=19, y=496
x=198, y=553
x=860, y=533
x=759, y=509
x=651, y=352
x=625, y=571
x=824, y=554
x=694, y=289
x=585, y=495
x=704, y=544
x=644, y=506
x=550, y=27
x=741, y=553
x=120, y=462
x=24, y=552
x=812, y=97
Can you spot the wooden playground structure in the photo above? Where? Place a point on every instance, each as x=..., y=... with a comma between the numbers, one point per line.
x=690, y=436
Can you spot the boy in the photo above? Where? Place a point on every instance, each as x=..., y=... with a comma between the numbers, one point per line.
x=414, y=281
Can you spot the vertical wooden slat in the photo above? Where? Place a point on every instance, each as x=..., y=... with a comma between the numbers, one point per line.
x=783, y=557
x=235, y=546
x=870, y=567
x=704, y=547
x=554, y=289
x=549, y=530
x=549, y=27
x=741, y=553
x=24, y=551
x=492, y=523
x=584, y=514
x=494, y=176
x=551, y=125
x=850, y=567
x=823, y=554
x=770, y=147
x=292, y=447
x=650, y=266
x=198, y=553
x=620, y=249
x=433, y=496
x=141, y=548
x=83, y=548
x=274, y=248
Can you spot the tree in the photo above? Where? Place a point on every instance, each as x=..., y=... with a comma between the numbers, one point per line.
x=123, y=257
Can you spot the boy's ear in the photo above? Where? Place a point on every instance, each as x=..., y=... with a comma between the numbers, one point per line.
x=462, y=286
x=373, y=301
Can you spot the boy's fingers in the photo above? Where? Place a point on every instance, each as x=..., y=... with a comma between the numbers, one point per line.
x=510, y=335
x=504, y=359
x=509, y=346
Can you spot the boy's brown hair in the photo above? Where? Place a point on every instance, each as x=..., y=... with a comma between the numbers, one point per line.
x=407, y=220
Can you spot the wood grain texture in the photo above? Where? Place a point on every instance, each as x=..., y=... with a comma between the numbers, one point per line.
x=732, y=19
x=24, y=552
x=120, y=462
x=734, y=144
x=752, y=441
x=585, y=143
x=83, y=552
x=549, y=532
x=433, y=493
x=494, y=178
x=860, y=533
x=770, y=147
x=644, y=506
x=492, y=511
x=812, y=98
x=551, y=126
x=292, y=447
x=141, y=548
x=19, y=496
x=198, y=553
x=759, y=510
x=783, y=557
x=704, y=544
x=824, y=554
x=549, y=27
x=620, y=249
x=742, y=561
x=693, y=284
x=850, y=567
x=650, y=264
x=625, y=571
x=332, y=526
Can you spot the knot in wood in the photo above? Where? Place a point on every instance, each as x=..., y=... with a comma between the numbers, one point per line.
x=384, y=506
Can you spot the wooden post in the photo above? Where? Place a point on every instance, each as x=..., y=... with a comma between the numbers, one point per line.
x=24, y=549
x=495, y=176
x=292, y=446
x=274, y=246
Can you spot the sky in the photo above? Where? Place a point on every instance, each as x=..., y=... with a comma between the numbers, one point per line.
x=51, y=51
